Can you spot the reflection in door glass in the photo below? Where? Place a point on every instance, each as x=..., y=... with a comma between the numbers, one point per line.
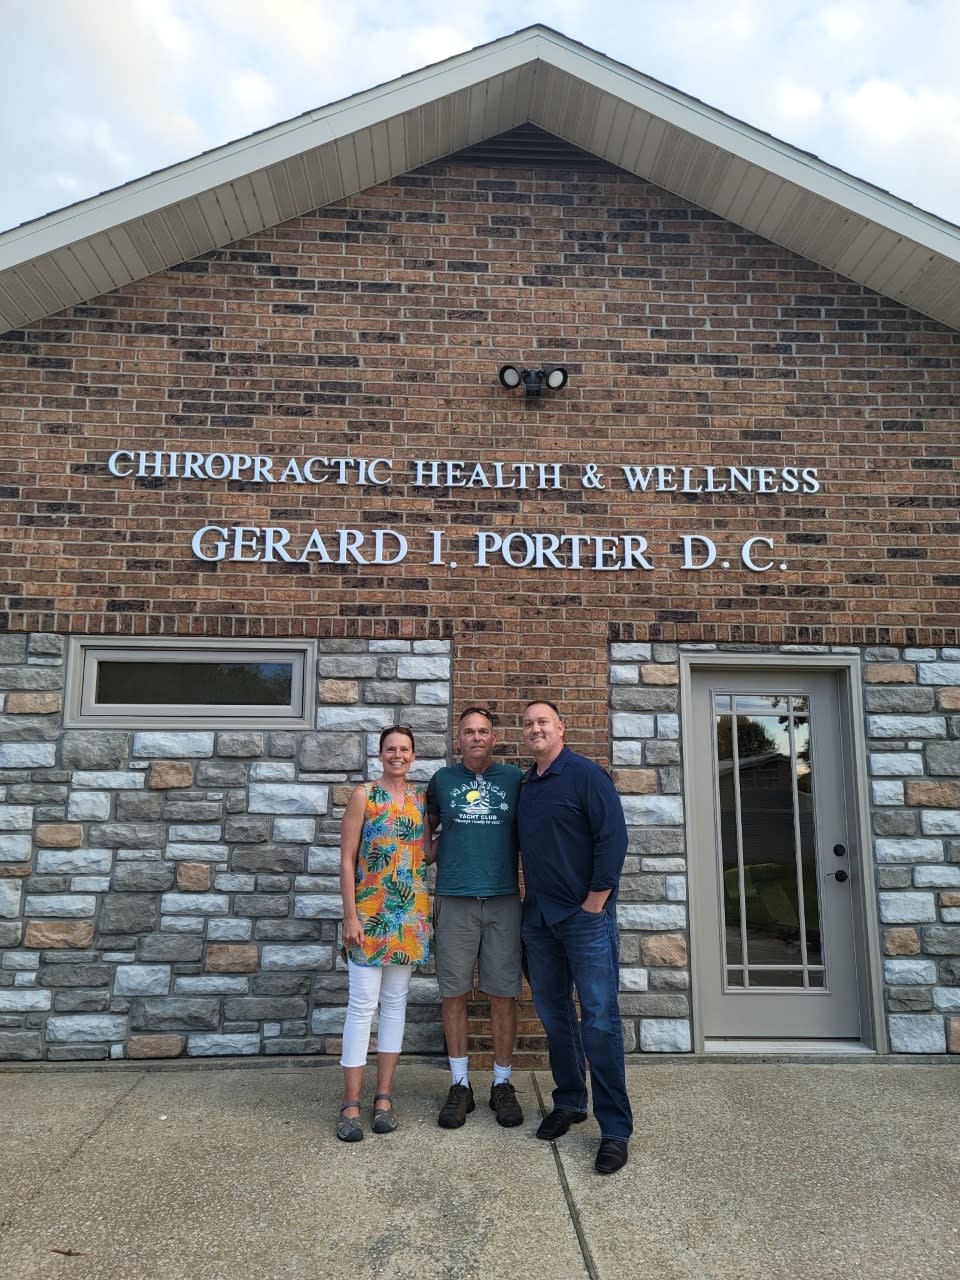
x=771, y=905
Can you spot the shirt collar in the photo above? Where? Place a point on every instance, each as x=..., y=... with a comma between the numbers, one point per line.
x=557, y=765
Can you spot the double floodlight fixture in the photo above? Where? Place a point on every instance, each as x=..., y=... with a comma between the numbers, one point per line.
x=553, y=377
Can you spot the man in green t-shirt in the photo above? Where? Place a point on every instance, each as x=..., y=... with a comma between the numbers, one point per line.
x=476, y=915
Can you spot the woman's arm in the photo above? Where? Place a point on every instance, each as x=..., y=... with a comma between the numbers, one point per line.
x=351, y=828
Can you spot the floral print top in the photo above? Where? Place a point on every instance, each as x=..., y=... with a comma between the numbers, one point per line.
x=391, y=880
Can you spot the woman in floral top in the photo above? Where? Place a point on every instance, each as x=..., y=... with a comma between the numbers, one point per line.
x=386, y=923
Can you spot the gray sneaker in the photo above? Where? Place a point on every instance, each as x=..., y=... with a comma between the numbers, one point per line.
x=457, y=1107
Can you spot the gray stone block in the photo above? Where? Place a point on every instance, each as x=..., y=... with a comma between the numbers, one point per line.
x=175, y=1013
x=296, y=957
x=71, y=906
x=176, y=947
x=316, y=906
x=192, y=811
x=896, y=822
x=129, y=913
x=949, y=973
x=29, y=728
x=28, y=755
x=143, y=877
x=654, y=1005
x=10, y=899
x=386, y=692
x=13, y=646
x=653, y=811
x=78, y=1052
x=31, y=677
x=665, y=1035
x=77, y=1028
x=650, y=916
x=220, y=773
x=94, y=749
x=909, y=999
x=77, y=862
x=285, y=984
x=243, y=829
x=655, y=841
x=323, y=751
x=269, y=857
x=644, y=698
x=88, y=806
x=74, y=1000
x=239, y=744
x=139, y=806
x=142, y=979
x=76, y=975
x=288, y=797
x=206, y=1046
x=24, y=1000
x=20, y=1046
x=195, y=904
x=941, y=940
x=251, y=1008
x=261, y=904
x=288, y=930
x=47, y=643
x=906, y=726
x=127, y=835
x=172, y=746
x=892, y=699
x=917, y=1033
x=894, y=877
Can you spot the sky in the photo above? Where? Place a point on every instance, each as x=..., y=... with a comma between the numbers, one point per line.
x=98, y=92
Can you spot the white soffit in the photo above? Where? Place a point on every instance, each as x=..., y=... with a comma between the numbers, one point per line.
x=535, y=76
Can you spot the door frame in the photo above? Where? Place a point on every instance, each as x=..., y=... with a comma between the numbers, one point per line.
x=847, y=667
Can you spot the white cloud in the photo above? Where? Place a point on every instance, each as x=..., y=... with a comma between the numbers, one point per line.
x=869, y=85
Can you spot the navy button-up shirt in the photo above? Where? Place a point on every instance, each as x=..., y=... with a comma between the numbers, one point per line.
x=573, y=837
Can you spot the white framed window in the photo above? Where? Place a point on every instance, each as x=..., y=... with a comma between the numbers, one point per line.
x=129, y=682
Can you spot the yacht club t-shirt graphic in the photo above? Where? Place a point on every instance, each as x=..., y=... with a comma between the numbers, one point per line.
x=479, y=802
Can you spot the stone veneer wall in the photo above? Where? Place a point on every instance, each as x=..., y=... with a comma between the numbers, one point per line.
x=170, y=892
x=912, y=708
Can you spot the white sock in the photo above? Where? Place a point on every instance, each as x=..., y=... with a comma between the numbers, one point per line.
x=458, y=1070
x=501, y=1074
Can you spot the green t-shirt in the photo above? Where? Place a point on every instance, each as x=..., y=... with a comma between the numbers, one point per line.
x=477, y=853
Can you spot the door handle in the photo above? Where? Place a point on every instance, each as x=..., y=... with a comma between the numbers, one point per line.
x=840, y=876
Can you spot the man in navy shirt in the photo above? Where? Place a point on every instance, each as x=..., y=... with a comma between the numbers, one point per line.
x=573, y=840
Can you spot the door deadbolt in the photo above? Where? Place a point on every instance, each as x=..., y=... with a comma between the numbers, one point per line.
x=840, y=850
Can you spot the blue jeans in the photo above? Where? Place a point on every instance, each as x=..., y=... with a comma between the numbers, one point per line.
x=581, y=951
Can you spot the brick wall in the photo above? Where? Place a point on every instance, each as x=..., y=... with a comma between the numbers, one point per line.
x=375, y=327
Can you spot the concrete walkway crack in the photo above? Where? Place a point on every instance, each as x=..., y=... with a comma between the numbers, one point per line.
x=588, y=1262
x=108, y=1113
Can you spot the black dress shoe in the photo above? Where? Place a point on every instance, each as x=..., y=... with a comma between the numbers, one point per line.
x=556, y=1124
x=611, y=1156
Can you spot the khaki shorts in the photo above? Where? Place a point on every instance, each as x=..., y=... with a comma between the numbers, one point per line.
x=482, y=931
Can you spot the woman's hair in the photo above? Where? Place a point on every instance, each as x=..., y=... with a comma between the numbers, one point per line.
x=396, y=728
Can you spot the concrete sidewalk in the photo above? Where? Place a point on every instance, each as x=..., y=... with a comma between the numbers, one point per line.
x=231, y=1171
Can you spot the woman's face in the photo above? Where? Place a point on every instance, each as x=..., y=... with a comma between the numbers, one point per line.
x=397, y=755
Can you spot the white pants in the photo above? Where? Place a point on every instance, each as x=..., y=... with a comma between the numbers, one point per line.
x=390, y=985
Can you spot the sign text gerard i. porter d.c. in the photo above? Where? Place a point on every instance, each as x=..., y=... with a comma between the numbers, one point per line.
x=515, y=549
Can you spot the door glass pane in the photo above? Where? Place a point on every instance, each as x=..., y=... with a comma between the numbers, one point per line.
x=767, y=838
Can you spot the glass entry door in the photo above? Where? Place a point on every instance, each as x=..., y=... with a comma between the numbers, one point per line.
x=771, y=860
